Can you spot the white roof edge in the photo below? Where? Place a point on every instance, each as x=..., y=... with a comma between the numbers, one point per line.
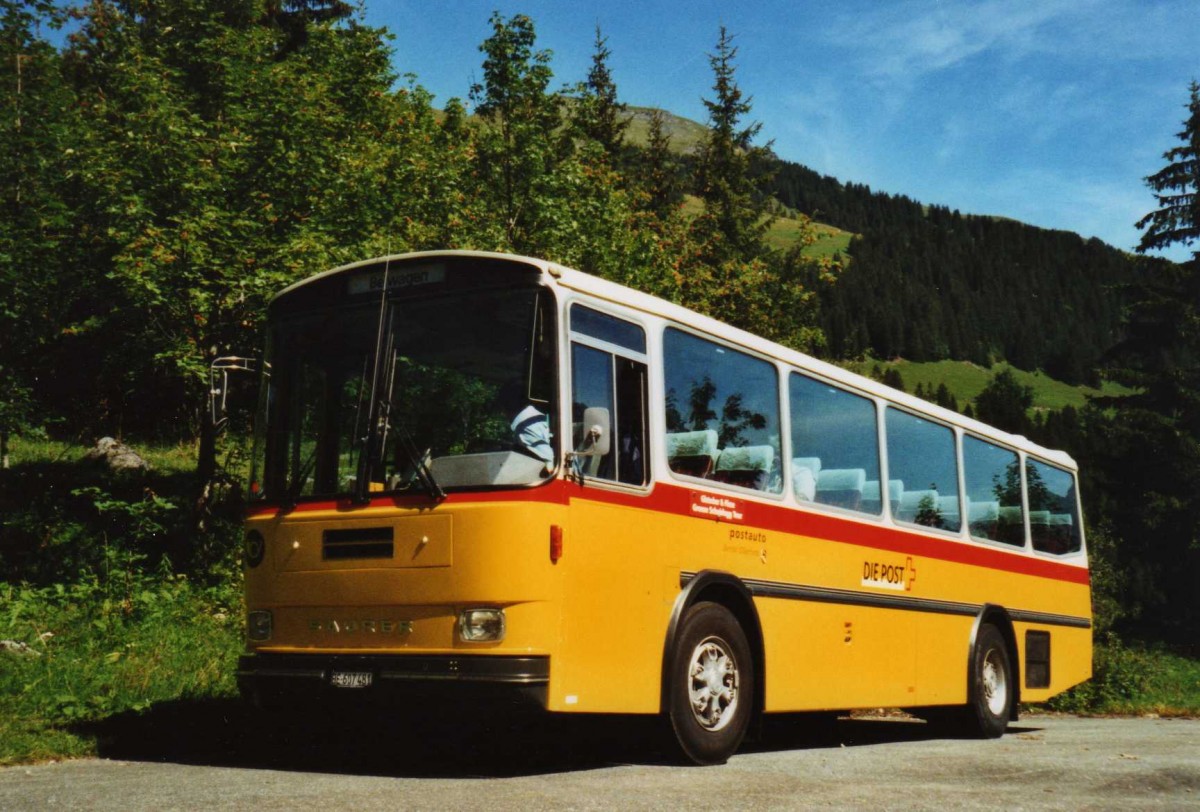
x=544, y=265
x=604, y=289
x=628, y=297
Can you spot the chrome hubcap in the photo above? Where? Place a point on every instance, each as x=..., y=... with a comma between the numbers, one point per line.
x=995, y=686
x=713, y=684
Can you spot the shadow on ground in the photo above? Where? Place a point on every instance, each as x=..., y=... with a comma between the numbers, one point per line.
x=441, y=742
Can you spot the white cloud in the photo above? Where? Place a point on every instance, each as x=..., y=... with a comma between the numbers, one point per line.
x=901, y=43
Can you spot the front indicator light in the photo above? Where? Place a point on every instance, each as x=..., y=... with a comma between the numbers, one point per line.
x=481, y=625
x=258, y=626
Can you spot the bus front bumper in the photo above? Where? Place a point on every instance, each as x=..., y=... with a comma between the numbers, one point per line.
x=280, y=679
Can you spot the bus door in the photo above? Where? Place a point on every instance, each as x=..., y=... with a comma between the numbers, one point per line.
x=612, y=592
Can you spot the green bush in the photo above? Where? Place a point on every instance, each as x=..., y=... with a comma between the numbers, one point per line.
x=1121, y=677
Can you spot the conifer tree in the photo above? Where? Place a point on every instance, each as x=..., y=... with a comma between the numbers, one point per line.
x=1155, y=440
x=735, y=212
x=1005, y=403
x=1177, y=189
x=598, y=115
x=659, y=178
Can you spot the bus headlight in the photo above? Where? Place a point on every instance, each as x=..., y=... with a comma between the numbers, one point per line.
x=258, y=626
x=254, y=546
x=481, y=625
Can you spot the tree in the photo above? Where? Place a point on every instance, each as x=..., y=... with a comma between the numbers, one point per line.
x=224, y=159
x=1154, y=443
x=729, y=271
x=598, y=115
x=735, y=212
x=659, y=176
x=37, y=252
x=1005, y=403
x=518, y=146
x=1177, y=189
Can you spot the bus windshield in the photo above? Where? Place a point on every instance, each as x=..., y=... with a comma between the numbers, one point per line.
x=418, y=394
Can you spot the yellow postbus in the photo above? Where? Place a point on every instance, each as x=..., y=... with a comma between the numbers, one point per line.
x=497, y=477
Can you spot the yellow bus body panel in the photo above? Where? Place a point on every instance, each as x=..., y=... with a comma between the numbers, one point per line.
x=833, y=637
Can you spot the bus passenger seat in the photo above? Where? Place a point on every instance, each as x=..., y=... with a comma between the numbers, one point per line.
x=1010, y=525
x=1039, y=531
x=804, y=477
x=1062, y=533
x=949, y=512
x=692, y=453
x=842, y=487
x=804, y=483
x=983, y=519
x=747, y=466
x=872, y=500
x=811, y=463
x=912, y=503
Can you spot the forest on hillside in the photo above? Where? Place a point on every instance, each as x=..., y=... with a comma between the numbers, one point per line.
x=928, y=283
x=167, y=169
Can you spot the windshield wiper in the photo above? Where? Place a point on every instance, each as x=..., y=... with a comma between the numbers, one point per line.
x=422, y=473
x=297, y=484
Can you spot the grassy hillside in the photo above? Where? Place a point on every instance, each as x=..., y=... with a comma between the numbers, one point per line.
x=784, y=232
x=785, y=228
x=966, y=380
x=686, y=135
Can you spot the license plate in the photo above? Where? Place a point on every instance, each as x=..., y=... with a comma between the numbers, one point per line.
x=351, y=679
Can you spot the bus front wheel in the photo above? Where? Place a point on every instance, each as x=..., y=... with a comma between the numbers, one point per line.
x=711, y=684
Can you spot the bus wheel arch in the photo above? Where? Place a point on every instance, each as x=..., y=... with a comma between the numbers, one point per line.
x=993, y=620
x=728, y=592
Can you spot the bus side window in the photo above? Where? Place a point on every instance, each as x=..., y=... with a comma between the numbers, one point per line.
x=722, y=413
x=606, y=378
x=1053, y=513
x=922, y=455
x=993, y=477
x=835, y=447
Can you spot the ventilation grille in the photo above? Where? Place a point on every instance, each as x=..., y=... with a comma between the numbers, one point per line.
x=365, y=542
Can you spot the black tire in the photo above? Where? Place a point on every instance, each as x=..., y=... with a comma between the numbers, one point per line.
x=711, y=684
x=991, y=690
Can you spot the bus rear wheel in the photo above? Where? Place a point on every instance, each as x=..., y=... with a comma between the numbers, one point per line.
x=992, y=690
x=711, y=693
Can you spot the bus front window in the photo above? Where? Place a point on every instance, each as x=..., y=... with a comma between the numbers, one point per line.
x=432, y=388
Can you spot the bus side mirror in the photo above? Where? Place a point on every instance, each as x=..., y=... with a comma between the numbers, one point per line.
x=597, y=432
x=218, y=386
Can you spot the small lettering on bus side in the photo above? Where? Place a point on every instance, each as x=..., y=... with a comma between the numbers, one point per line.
x=721, y=508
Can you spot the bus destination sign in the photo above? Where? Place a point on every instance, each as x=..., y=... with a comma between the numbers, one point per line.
x=397, y=280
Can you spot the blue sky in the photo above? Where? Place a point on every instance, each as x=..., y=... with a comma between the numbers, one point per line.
x=1047, y=111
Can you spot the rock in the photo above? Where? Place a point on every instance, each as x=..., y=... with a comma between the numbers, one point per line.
x=17, y=647
x=117, y=456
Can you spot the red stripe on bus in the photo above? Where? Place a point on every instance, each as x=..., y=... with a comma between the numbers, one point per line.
x=677, y=500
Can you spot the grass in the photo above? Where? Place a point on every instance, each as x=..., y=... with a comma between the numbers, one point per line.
x=686, y=135
x=97, y=620
x=88, y=651
x=785, y=229
x=966, y=380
